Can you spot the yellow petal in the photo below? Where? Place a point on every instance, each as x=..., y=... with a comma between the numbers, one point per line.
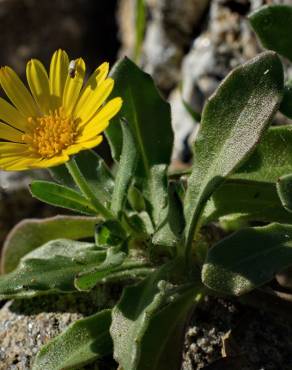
x=101, y=120
x=10, y=149
x=58, y=75
x=73, y=149
x=38, y=81
x=97, y=77
x=27, y=160
x=10, y=133
x=16, y=163
x=51, y=162
x=11, y=115
x=94, y=100
x=17, y=92
x=73, y=86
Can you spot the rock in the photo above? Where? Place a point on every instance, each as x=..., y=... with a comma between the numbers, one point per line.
x=183, y=126
x=168, y=33
x=227, y=41
x=169, y=29
x=126, y=22
x=163, y=60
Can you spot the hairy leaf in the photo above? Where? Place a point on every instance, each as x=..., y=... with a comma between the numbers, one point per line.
x=170, y=228
x=50, y=268
x=61, y=196
x=273, y=26
x=248, y=259
x=158, y=195
x=271, y=159
x=147, y=113
x=109, y=233
x=250, y=200
x=118, y=269
x=233, y=121
x=84, y=341
x=284, y=187
x=31, y=234
x=148, y=323
x=126, y=169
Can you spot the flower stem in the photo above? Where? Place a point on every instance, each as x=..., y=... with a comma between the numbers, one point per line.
x=81, y=182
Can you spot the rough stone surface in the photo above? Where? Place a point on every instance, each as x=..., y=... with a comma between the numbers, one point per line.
x=168, y=34
x=26, y=325
x=189, y=47
x=251, y=339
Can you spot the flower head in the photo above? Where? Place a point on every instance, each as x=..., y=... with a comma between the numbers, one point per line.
x=60, y=116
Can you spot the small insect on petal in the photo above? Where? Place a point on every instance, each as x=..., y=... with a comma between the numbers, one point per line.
x=72, y=68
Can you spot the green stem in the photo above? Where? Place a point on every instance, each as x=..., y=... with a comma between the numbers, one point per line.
x=81, y=182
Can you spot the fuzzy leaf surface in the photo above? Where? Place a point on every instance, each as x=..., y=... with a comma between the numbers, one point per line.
x=61, y=196
x=120, y=269
x=126, y=170
x=271, y=159
x=51, y=268
x=171, y=224
x=284, y=188
x=32, y=233
x=148, y=115
x=273, y=26
x=84, y=341
x=233, y=120
x=248, y=259
x=148, y=323
x=256, y=201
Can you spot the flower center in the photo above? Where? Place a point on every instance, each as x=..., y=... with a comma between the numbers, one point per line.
x=50, y=134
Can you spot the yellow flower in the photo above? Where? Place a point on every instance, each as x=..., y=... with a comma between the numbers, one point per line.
x=60, y=116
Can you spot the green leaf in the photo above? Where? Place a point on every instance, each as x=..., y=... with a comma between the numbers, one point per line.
x=115, y=268
x=251, y=200
x=140, y=223
x=248, y=259
x=50, y=269
x=136, y=199
x=31, y=234
x=158, y=195
x=271, y=159
x=284, y=188
x=109, y=233
x=148, y=323
x=88, y=279
x=61, y=196
x=273, y=26
x=171, y=226
x=233, y=120
x=126, y=169
x=84, y=341
x=94, y=169
x=147, y=113
x=162, y=344
x=286, y=104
